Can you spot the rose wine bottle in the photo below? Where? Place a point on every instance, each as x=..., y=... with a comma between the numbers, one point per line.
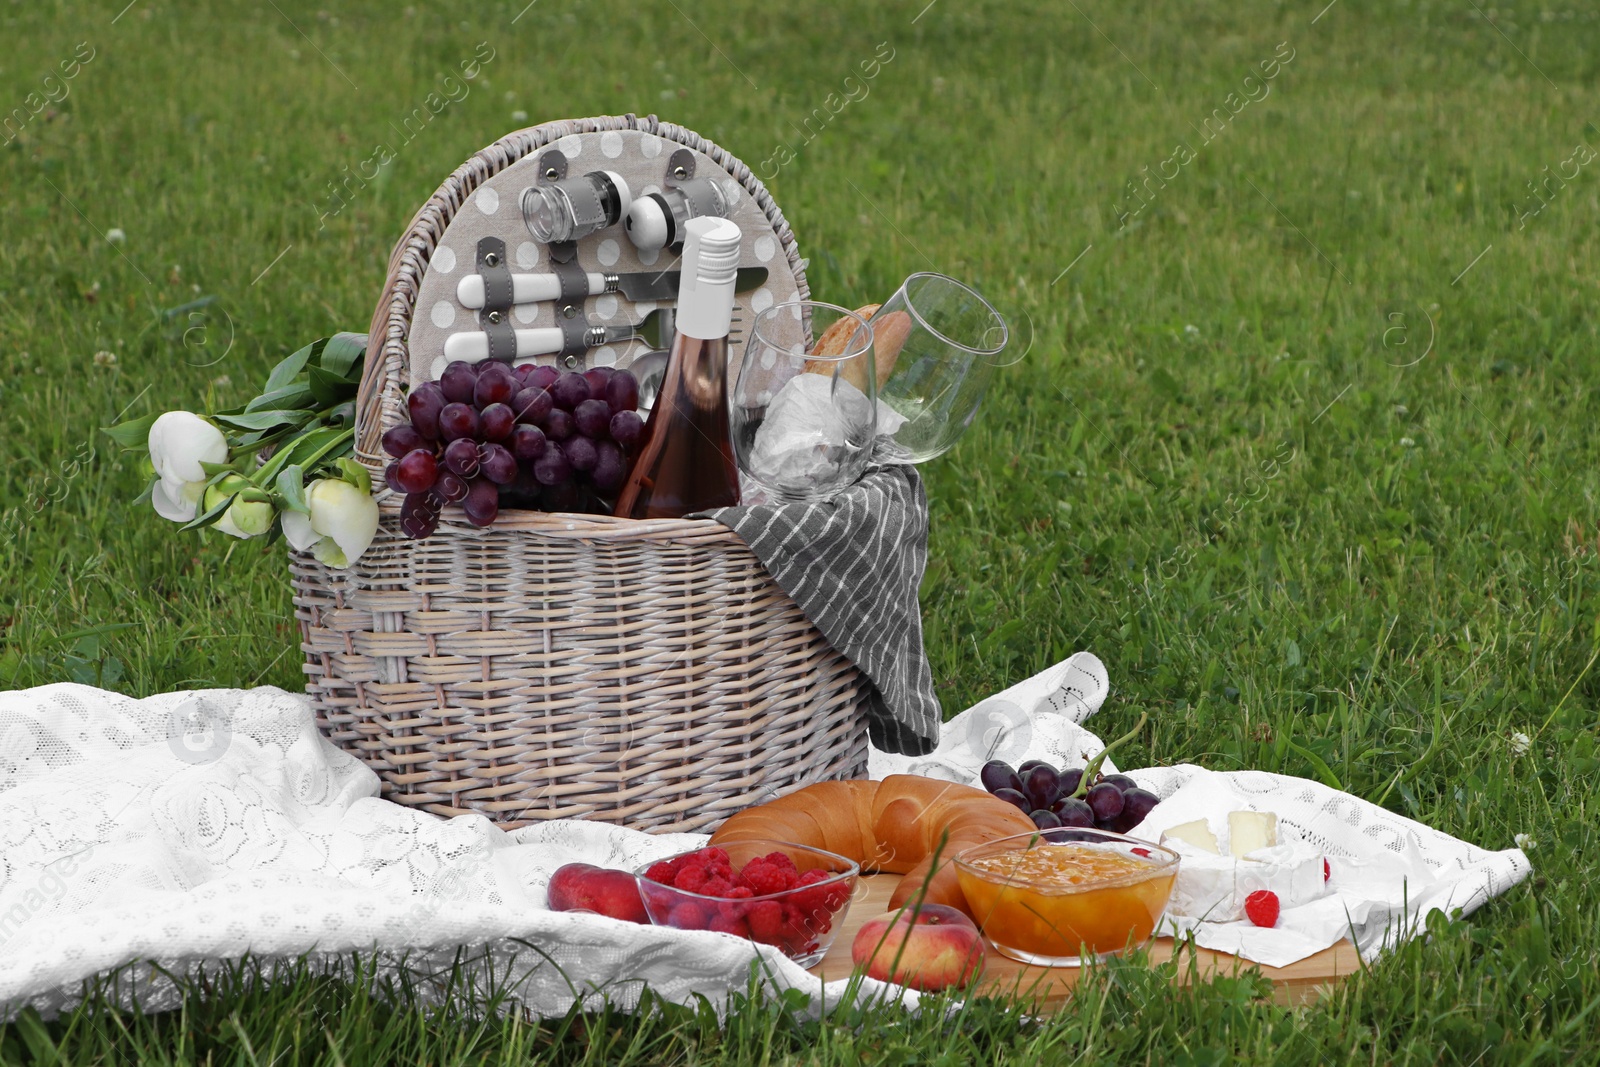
x=686, y=463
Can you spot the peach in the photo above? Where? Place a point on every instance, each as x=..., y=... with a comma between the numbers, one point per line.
x=929, y=949
x=584, y=887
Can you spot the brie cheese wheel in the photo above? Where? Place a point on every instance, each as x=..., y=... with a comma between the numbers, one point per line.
x=1206, y=886
x=1214, y=888
x=1293, y=871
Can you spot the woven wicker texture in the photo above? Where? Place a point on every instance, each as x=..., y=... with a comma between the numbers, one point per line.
x=558, y=666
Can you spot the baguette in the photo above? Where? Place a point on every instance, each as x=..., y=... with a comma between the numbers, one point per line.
x=896, y=826
x=888, y=338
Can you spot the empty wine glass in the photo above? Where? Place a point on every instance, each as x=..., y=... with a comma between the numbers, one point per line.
x=803, y=424
x=938, y=345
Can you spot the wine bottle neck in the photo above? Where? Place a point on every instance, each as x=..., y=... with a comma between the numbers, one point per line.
x=698, y=367
x=710, y=275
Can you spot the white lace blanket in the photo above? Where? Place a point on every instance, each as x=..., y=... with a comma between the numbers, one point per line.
x=191, y=828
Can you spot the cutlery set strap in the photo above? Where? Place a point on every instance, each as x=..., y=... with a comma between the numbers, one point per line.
x=500, y=340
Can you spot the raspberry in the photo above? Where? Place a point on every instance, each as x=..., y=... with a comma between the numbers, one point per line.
x=716, y=886
x=662, y=872
x=714, y=857
x=1262, y=907
x=688, y=915
x=692, y=879
x=763, y=878
x=740, y=892
x=808, y=900
x=766, y=921
x=1327, y=871
x=779, y=859
x=730, y=924
x=793, y=918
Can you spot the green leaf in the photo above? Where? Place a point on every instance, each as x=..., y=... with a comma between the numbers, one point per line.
x=289, y=368
x=211, y=470
x=305, y=450
x=342, y=354
x=297, y=395
x=135, y=433
x=354, y=473
x=292, y=490
x=210, y=517
x=144, y=497
x=329, y=388
x=265, y=420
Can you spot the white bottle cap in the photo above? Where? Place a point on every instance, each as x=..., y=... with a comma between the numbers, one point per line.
x=649, y=223
x=624, y=194
x=711, y=248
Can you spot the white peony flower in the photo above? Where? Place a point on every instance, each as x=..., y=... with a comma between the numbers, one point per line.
x=342, y=523
x=179, y=442
x=180, y=504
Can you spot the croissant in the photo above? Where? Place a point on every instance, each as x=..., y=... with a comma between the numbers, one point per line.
x=894, y=826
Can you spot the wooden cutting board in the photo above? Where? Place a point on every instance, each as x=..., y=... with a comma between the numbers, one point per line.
x=1052, y=986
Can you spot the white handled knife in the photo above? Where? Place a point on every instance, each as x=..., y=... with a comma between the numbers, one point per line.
x=640, y=285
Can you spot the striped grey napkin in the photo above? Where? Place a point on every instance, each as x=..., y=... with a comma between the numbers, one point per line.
x=853, y=564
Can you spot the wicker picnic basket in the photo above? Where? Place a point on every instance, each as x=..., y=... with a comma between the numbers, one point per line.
x=648, y=673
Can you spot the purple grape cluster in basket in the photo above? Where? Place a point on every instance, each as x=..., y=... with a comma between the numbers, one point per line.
x=1050, y=797
x=485, y=434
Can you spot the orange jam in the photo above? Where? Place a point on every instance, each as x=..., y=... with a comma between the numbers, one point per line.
x=1066, y=900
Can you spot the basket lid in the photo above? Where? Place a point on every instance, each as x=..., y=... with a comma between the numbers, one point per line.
x=421, y=306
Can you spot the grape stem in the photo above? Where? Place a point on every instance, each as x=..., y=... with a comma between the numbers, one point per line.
x=1100, y=757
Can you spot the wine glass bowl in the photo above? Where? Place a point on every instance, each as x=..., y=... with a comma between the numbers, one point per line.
x=804, y=422
x=954, y=341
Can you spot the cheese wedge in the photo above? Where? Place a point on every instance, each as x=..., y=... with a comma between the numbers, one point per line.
x=1214, y=888
x=1251, y=831
x=1197, y=833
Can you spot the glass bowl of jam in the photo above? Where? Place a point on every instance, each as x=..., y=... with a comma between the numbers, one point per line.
x=1057, y=898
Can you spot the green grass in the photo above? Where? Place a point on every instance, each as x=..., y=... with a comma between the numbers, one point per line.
x=1300, y=543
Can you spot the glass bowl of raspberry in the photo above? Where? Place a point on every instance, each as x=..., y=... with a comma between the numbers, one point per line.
x=777, y=893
